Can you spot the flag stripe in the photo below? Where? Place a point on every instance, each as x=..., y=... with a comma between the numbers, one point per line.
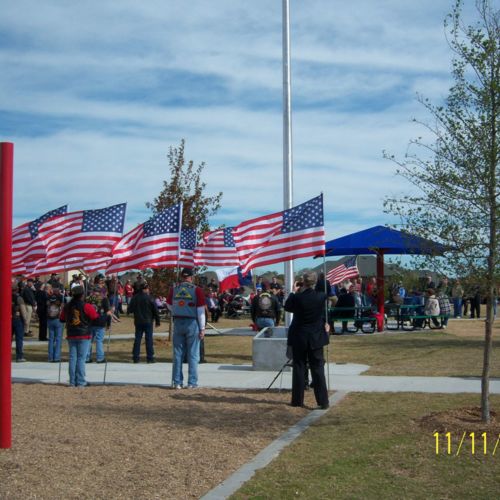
x=160, y=248
x=294, y=233
x=348, y=269
x=217, y=249
x=78, y=238
x=27, y=248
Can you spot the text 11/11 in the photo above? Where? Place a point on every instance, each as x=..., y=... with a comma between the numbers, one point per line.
x=478, y=443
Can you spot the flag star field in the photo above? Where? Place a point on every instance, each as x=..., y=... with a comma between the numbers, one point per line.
x=305, y=216
x=166, y=221
x=107, y=220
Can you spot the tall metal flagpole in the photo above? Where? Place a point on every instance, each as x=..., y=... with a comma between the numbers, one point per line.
x=287, y=138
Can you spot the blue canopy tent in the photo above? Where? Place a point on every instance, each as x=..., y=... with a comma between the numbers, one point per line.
x=380, y=241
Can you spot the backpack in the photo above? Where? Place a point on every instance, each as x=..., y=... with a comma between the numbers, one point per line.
x=265, y=306
x=53, y=310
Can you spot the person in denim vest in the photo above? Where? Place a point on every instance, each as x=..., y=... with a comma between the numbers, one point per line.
x=186, y=303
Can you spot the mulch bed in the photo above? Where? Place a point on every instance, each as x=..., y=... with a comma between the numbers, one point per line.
x=135, y=442
x=461, y=419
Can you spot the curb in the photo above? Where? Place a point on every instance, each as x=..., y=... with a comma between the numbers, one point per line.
x=234, y=482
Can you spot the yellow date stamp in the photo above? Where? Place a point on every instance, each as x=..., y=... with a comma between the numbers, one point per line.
x=473, y=443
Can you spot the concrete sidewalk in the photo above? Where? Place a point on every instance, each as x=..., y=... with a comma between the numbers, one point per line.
x=343, y=377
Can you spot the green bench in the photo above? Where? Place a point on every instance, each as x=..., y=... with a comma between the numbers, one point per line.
x=425, y=320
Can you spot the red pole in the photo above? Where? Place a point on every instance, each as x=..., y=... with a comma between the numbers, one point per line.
x=6, y=184
x=380, y=287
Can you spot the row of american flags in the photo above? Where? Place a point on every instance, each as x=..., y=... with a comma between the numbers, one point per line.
x=93, y=240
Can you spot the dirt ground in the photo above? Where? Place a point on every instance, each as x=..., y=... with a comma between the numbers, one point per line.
x=461, y=418
x=135, y=442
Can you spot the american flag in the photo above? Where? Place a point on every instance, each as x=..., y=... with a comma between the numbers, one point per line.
x=217, y=249
x=348, y=269
x=291, y=234
x=27, y=248
x=155, y=243
x=186, y=247
x=82, y=239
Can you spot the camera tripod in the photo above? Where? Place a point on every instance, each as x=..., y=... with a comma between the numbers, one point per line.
x=289, y=363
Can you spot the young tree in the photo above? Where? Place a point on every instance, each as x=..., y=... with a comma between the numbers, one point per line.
x=456, y=178
x=184, y=185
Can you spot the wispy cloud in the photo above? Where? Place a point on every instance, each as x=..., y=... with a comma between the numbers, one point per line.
x=94, y=93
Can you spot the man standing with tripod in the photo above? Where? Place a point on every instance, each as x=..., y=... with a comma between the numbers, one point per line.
x=307, y=335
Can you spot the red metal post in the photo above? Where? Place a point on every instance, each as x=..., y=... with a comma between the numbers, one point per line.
x=380, y=287
x=6, y=184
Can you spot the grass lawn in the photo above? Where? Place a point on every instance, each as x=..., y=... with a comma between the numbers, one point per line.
x=375, y=446
x=457, y=351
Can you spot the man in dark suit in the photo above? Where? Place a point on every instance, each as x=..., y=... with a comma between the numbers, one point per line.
x=307, y=335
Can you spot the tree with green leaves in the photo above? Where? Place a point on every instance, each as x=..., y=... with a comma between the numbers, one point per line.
x=184, y=185
x=455, y=174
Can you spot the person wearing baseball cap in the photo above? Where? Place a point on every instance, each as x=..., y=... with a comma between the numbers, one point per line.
x=186, y=302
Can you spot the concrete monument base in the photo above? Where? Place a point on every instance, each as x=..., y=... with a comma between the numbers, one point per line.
x=269, y=352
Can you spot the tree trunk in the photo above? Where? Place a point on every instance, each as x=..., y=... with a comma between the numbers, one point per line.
x=492, y=251
x=485, y=380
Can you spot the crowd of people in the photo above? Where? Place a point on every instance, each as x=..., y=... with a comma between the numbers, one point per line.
x=438, y=301
x=88, y=306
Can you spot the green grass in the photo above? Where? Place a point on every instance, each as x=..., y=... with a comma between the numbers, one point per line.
x=372, y=446
x=224, y=350
x=456, y=352
x=417, y=354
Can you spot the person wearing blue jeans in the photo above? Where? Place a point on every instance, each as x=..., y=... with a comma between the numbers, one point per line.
x=97, y=298
x=147, y=330
x=186, y=302
x=54, y=325
x=265, y=311
x=18, y=329
x=144, y=309
x=77, y=356
x=97, y=333
x=186, y=341
x=78, y=315
x=17, y=324
x=55, y=339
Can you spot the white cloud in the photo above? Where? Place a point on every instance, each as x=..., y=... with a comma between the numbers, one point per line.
x=94, y=93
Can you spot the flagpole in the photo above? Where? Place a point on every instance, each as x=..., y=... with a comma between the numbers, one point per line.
x=326, y=311
x=287, y=139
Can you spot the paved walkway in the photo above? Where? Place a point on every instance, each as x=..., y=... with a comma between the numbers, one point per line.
x=343, y=377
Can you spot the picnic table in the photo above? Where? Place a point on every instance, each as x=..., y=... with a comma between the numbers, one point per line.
x=362, y=318
x=409, y=317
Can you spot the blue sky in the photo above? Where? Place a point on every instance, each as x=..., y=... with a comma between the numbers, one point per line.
x=93, y=94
